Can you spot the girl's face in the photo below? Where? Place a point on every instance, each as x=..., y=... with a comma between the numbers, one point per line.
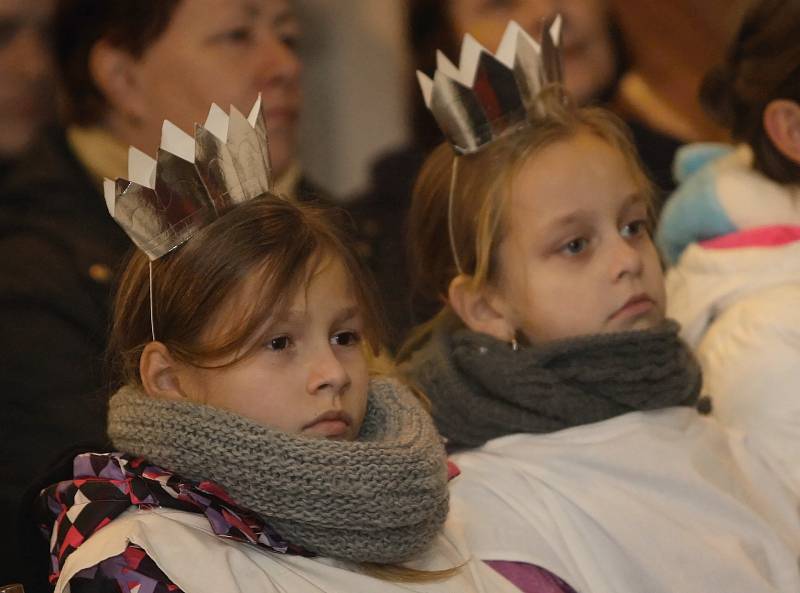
x=310, y=375
x=222, y=51
x=577, y=258
x=589, y=61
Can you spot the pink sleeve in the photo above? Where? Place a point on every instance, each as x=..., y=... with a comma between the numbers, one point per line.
x=530, y=578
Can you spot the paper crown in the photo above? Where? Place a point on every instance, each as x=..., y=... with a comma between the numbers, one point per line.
x=192, y=181
x=489, y=95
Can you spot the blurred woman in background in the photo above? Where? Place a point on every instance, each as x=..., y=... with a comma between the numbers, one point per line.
x=125, y=66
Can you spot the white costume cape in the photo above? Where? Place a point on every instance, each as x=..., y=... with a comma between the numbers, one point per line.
x=198, y=561
x=648, y=502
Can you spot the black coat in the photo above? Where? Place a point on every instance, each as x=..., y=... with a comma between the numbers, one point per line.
x=59, y=249
x=60, y=252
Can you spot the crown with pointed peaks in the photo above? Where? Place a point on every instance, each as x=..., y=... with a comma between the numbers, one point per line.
x=192, y=181
x=490, y=94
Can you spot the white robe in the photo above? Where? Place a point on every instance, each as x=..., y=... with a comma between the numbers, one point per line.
x=740, y=312
x=648, y=502
x=198, y=561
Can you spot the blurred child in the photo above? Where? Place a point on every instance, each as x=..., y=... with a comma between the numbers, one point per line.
x=732, y=234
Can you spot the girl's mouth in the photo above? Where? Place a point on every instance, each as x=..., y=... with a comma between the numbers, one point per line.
x=331, y=424
x=635, y=306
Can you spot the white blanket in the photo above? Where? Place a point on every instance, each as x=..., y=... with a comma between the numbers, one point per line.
x=651, y=502
x=198, y=561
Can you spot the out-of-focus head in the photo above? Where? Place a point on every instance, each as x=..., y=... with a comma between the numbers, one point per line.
x=550, y=225
x=755, y=92
x=587, y=48
x=591, y=47
x=25, y=72
x=128, y=65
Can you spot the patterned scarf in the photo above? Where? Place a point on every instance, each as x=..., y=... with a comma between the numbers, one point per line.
x=481, y=389
x=382, y=498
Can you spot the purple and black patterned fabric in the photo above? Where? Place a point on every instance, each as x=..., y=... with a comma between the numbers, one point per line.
x=105, y=485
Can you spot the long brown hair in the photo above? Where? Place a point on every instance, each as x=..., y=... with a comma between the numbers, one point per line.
x=483, y=184
x=762, y=64
x=270, y=240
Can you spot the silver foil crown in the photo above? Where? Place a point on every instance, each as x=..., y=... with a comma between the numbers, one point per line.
x=490, y=94
x=192, y=181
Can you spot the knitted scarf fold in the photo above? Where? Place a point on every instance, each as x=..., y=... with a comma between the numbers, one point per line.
x=481, y=389
x=382, y=498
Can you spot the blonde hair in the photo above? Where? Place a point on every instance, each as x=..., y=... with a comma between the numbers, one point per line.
x=483, y=182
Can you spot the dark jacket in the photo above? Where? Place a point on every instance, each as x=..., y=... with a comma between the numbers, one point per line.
x=59, y=250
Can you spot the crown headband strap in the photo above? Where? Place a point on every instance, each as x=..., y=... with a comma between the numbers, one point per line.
x=152, y=317
x=450, y=227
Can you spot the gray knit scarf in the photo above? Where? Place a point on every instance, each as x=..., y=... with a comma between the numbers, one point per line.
x=482, y=389
x=382, y=498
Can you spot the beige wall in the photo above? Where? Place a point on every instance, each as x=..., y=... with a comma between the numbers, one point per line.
x=354, y=88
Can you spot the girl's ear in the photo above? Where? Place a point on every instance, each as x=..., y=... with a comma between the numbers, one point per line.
x=481, y=310
x=159, y=372
x=782, y=124
x=114, y=72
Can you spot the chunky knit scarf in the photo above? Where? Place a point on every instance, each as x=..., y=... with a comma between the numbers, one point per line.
x=382, y=498
x=482, y=389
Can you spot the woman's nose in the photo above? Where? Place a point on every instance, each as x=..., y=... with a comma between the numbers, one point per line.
x=281, y=62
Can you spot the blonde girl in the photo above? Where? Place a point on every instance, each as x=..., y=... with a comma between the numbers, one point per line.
x=567, y=398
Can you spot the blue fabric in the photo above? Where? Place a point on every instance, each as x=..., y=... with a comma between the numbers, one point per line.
x=691, y=158
x=693, y=213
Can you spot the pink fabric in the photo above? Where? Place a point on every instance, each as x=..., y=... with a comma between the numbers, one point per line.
x=530, y=578
x=765, y=236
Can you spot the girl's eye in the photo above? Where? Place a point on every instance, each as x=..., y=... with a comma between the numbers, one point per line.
x=575, y=246
x=347, y=338
x=279, y=343
x=291, y=41
x=634, y=229
x=238, y=35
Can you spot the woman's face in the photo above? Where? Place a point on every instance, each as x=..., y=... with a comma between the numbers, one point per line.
x=587, y=49
x=226, y=52
x=25, y=73
x=577, y=258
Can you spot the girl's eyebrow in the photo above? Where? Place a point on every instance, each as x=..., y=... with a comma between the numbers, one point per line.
x=346, y=314
x=635, y=199
x=572, y=217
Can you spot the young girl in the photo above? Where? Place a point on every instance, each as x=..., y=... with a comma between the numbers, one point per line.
x=255, y=453
x=567, y=397
x=733, y=232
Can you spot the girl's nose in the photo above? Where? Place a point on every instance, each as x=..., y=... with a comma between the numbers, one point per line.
x=327, y=373
x=626, y=259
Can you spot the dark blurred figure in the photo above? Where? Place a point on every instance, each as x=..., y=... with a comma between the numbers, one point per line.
x=594, y=62
x=125, y=65
x=26, y=98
